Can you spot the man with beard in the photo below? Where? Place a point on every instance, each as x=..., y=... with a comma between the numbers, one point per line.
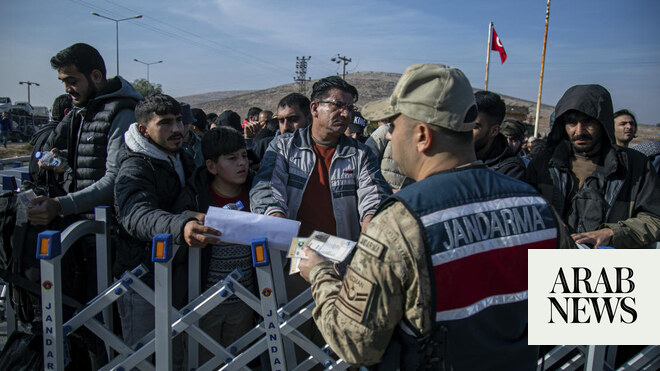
x=93, y=133
x=607, y=195
x=153, y=170
x=293, y=113
x=625, y=127
x=489, y=144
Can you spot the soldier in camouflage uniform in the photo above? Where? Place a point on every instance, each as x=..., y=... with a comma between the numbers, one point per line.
x=439, y=278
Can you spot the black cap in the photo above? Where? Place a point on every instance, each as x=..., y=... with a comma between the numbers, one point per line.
x=201, y=123
x=231, y=119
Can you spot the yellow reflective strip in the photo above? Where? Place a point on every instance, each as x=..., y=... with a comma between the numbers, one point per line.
x=259, y=250
x=43, y=246
x=160, y=249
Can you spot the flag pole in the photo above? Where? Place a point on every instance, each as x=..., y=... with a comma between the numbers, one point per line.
x=490, y=30
x=538, y=101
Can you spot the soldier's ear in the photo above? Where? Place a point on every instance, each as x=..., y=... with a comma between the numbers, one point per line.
x=423, y=137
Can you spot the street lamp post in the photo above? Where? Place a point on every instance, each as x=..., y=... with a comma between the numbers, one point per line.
x=147, y=64
x=28, y=85
x=117, y=30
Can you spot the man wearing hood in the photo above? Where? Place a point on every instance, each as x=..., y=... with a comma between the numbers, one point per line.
x=607, y=195
x=93, y=132
x=152, y=172
x=490, y=145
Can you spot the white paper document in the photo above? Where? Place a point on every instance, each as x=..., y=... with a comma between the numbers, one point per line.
x=242, y=227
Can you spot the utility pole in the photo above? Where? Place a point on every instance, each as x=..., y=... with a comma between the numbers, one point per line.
x=538, y=100
x=117, y=30
x=147, y=64
x=344, y=60
x=301, y=73
x=28, y=85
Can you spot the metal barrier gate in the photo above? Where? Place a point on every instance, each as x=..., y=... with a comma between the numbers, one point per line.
x=597, y=357
x=275, y=334
x=51, y=246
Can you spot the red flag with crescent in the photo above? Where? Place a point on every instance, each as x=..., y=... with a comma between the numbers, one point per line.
x=496, y=44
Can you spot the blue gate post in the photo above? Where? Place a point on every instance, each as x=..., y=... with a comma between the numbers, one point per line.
x=49, y=251
x=161, y=255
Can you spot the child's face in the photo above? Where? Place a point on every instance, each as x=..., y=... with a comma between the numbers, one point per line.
x=231, y=168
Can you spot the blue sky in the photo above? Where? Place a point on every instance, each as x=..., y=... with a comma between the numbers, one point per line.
x=248, y=44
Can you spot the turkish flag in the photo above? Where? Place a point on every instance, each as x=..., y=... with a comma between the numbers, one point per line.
x=496, y=44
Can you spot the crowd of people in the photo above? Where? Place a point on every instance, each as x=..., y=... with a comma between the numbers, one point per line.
x=440, y=198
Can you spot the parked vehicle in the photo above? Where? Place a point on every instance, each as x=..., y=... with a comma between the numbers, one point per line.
x=41, y=111
x=5, y=104
x=23, y=106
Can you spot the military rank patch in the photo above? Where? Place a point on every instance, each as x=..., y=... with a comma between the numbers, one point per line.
x=371, y=246
x=355, y=295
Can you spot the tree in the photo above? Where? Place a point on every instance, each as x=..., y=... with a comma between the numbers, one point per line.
x=145, y=87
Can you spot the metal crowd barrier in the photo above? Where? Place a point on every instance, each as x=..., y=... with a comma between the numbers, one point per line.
x=597, y=358
x=51, y=247
x=275, y=334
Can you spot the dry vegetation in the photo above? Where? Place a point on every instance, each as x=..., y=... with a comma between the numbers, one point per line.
x=15, y=150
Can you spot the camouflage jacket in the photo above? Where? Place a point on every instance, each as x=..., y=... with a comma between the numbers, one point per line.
x=382, y=287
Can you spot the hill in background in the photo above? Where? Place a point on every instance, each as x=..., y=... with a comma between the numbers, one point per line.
x=371, y=86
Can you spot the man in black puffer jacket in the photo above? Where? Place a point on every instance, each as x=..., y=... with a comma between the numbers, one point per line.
x=94, y=131
x=152, y=171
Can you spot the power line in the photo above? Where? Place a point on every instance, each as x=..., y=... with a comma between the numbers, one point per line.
x=172, y=35
x=344, y=61
x=247, y=56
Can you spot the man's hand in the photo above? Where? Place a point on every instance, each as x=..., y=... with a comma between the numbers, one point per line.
x=306, y=264
x=601, y=237
x=251, y=129
x=277, y=215
x=194, y=234
x=42, y=210
x=58, y=170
